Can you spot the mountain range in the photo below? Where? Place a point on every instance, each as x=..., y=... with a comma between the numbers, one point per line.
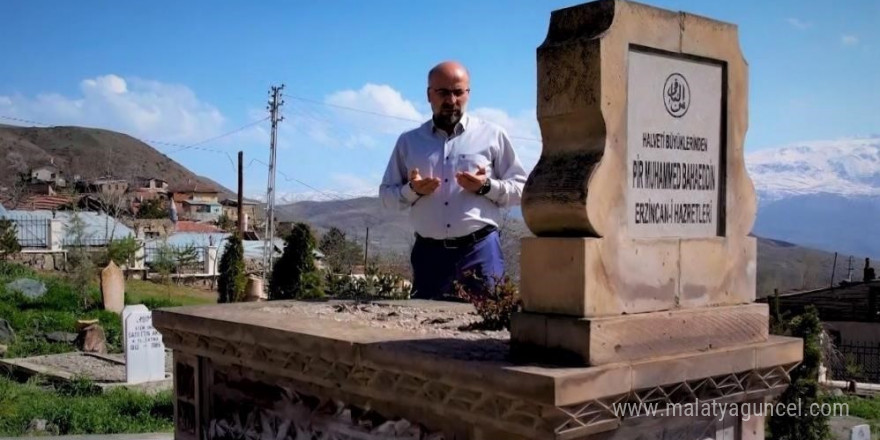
x=820, y=194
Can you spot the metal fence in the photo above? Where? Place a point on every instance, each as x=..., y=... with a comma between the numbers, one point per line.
x=32, y=232
x=860, y=361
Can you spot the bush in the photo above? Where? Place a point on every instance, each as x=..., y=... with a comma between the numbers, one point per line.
x=495, y=299
x=804, y=388
x=380, y=286
x=233, y=279
x=294, y=275
x=8, y=239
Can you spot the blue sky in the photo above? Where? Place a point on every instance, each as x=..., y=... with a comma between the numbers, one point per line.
x=185, y=72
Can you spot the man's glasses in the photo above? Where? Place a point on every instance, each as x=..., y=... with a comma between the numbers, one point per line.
x=447, y=93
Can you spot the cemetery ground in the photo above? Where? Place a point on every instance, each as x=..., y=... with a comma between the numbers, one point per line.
x=45, y=325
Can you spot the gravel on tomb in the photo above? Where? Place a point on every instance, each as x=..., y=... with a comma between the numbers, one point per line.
x=453, y=320
x=81, y=364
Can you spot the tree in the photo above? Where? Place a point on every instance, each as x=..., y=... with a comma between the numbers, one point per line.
x=294, y=275
x=79, y=259
x=225, y=223
x=233, y=279
x=122, y=251
x=8, y=240
x=152, y=209
x=340, y=253
x=804, y=388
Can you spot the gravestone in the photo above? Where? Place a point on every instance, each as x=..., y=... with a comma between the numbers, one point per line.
x=113, y=287
x=860, y=432
x=641, y=205
x=144, y=350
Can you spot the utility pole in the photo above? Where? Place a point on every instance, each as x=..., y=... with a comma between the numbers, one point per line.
x=833, y=268
x=366, y=250
x=275, y=103
x=240, y=192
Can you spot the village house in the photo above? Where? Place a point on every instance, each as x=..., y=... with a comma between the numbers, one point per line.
x=249, y=209
x=151, y=185
x=850, y=315
x=197, y=202
x=47, y=174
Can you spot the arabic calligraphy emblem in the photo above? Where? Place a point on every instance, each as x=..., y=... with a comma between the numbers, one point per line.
x=676, y=95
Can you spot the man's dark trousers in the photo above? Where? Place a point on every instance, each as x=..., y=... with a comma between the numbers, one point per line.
x=436, y=265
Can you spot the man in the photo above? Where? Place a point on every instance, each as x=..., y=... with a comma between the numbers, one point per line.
x=454, y=173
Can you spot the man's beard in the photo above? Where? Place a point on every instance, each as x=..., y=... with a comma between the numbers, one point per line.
x=446, y=118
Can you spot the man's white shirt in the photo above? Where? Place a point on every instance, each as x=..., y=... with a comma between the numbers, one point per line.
x=452, y=211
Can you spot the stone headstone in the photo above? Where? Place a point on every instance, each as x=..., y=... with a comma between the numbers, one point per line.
x=860, y=432
x=30, y=288
x=144, y=350
x=113, y=287
x=7, y=335
x=641, y=204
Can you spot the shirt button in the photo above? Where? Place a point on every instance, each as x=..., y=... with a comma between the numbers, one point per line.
x=448, y=225
x=446, y=203
x=446, y=180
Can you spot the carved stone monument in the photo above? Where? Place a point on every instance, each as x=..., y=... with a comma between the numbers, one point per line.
x=638, y=288
x=640, y=202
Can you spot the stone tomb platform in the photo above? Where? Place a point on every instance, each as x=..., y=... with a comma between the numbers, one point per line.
x=105, y=371
x=411, y=369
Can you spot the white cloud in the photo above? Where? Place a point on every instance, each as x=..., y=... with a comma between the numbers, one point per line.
x=522, y=128
x=849, y=40
x=798, y=23
x=141, y=108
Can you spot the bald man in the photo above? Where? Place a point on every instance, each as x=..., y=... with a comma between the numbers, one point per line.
x=454, y=173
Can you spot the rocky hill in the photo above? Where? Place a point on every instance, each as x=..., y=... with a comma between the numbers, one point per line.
x=89, y=153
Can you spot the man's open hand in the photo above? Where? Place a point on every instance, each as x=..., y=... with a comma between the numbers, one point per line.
x=472, y=182
x=421, y=185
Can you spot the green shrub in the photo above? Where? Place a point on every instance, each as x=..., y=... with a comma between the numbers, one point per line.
x=233, y=278
x=8, y=239
x=804, y=388
x=294, y=275
x=495, y=300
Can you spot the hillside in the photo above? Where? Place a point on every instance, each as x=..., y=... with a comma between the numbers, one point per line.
x=87, y=152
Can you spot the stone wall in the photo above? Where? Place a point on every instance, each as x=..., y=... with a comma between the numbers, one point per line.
x=41, y=260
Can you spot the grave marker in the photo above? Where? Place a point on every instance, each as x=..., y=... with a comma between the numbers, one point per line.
x=144, y=350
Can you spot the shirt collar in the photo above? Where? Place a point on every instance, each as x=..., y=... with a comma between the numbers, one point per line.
x=459, y=128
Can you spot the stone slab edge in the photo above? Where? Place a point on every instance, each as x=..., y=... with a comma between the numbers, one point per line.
x=550, y=385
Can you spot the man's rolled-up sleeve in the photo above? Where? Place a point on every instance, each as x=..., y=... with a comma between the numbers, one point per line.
x=509, y=177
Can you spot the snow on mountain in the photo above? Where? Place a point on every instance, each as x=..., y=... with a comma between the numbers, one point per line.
x=847, y=167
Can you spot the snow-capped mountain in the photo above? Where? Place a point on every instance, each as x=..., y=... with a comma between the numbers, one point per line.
x=824, y=194
x=846, y=167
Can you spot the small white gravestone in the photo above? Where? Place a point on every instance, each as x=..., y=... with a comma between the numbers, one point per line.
x=127, y=310
x=144, y=350
x=860, y=432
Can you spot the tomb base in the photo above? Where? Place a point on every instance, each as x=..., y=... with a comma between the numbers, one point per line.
x=398, y=370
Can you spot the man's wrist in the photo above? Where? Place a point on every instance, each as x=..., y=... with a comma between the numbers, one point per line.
x=487, y=185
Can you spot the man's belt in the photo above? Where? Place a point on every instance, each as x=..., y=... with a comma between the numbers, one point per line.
x=458, y=242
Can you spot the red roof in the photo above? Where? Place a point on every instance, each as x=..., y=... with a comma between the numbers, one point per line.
x=189, y=226
x=44, y=202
